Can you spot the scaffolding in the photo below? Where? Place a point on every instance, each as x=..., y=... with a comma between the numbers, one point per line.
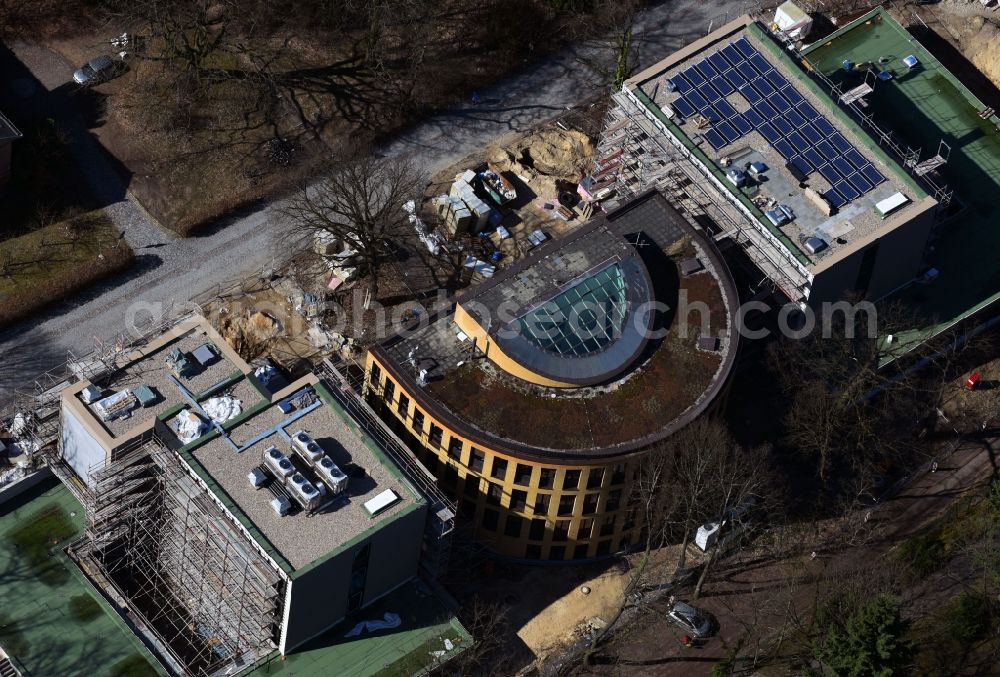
x=190, y=573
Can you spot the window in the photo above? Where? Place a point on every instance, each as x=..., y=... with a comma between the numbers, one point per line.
x=571, y=480
x=490, y=519
x=467, y=508
x=450, y=476
x=585, y=529
x=614, y=500
x=533, y=552
x=375, y=375
x=493, y=494
x=434, y=439
x=629, y=520
x=522, y=474
x=477, y=460
x=557, y=552
x=561, y=530
x=566, y=505
x=604, y=548
x=580, y=551
x=546, y=476
x=499, y=469
x=625, y=543
x=471, y=486
x=390, y=391
x=594, y=478
x=536, y=531
x=542, y=504
x=403, y=406
x=418, y=422
x=513, y=526
x=518, y=500
x=618, y=474
x=359, y=576
x=455, y=448
x=608, y=526
x=590, y=503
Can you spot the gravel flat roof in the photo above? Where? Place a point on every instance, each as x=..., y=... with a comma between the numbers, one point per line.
x=302, y=538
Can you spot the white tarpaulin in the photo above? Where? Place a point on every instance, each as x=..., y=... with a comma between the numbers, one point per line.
x=221, y=409
x=793, y=20
x=188, y=426
x=389, y=620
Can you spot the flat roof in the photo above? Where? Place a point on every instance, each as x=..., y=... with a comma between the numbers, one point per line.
x=670, y=382
x=923, y=105
x=740, y=99
x=301, y=538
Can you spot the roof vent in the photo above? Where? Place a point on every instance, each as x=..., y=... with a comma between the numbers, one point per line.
x=814, y=245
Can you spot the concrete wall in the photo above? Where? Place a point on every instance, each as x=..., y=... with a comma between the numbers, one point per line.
x=318, y=597
x=78, y=447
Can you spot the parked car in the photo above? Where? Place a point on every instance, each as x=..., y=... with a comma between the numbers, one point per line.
x=97, y=70
x=694, y=622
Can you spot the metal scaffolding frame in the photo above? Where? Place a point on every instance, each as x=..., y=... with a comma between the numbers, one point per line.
x=186, y=568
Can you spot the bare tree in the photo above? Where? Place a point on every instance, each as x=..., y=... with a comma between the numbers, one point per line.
x=359, y=202
x=614, y=55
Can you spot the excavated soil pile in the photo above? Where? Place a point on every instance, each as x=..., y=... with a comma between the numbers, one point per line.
x=546, y=156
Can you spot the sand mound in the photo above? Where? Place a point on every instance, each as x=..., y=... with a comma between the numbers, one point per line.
x=547, y=156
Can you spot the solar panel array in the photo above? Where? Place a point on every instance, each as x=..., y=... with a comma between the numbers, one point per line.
x=789, y=123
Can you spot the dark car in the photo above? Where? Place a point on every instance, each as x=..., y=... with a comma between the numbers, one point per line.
x=97, y=70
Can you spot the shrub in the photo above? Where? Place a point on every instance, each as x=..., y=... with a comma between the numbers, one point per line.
x=870, y=643
x=966, y=617
x=924, y=553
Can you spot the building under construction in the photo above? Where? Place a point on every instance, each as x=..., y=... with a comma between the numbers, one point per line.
x=232, y=515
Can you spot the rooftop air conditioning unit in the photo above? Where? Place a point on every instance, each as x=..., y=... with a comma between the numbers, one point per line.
x=307, y=447
x=257, y=478
x=281, y=505
x=277, y=463
x=303, y=491
x=332, y=476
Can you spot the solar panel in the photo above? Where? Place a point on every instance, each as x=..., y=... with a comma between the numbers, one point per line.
x=796, y=119
x=860, y=182
x=779, y=103
x=715, y=139
x=734, y=78
x=829, y=173
x=751, y=95
x=784, y=148
x=705, y=68
x=822, y=124
x=697, y=100
x=815, y=159
x=693, y=76
x=683, y=107
x=746, y=49
x=710, y=93
x=843, y=166
x=712, y=114
x=828, y=151
x=807, y=111
x=764, y=87
x=717, y=60
x=769, y=133
x=811, y=134
x=683, y=86
x=760, y=63
x=856, y=158
x=732, y=54
x=840, y=143
x=802, y=165
x=765, y=109
x=747, y=71
x=741, y=124
x=753, y=117
x=847, y=190
x=872, y=174
x=723, y=85
x=834, y=198
x=776, y=79
x=781, y=124
x=792, y=95
x=727, y=131
x=796, y=140
x=724, y=108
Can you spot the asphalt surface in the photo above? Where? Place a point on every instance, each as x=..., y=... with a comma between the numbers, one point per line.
x=171, y=270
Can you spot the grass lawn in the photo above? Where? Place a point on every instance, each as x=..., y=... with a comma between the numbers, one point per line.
x=51, y=263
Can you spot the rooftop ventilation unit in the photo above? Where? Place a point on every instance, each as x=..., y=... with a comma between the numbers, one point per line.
x=332, y=476
x=277, y=463
x=815, y=245
x=307, y=447
x=303, y=491
x=257, y=478
x=281, y=505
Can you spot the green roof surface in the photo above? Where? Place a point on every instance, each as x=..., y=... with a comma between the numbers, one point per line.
x=52, y=620
x=922, y=106
x=427, y=620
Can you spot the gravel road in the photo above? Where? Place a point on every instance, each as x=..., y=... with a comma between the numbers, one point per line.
x=171, y=270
